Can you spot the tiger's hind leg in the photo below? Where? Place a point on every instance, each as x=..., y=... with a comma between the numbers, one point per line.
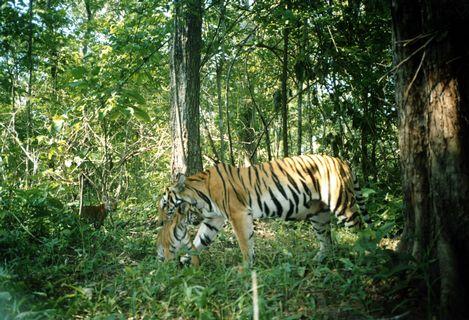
x=360, y=202
x=243, y=227
x=321, y=222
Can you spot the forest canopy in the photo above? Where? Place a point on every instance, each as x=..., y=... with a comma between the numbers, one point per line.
x=85, y=87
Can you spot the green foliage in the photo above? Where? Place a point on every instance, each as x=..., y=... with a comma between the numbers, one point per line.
x=387, y=207
x=69, y=269
x=92, y=98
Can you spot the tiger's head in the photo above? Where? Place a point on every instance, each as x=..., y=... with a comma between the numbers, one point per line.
x=174, y=235
x=176, y=195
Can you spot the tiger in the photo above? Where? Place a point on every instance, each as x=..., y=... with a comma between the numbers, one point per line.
x=174, y=234
x=306, y=187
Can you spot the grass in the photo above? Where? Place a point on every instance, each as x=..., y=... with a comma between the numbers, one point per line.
x=76, y=272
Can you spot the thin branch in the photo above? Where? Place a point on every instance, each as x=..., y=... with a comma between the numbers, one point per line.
x=218, y=41
x=332, y=38
x=26, y=229
x=408, y=57
x=29, y=155
x=140, y=66
x=406, y=94
x=211, y=143
x=261, y=135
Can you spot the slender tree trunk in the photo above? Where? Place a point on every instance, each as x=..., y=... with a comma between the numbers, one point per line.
x=227, y=110
x=13, y=98
x=300, y=115
x=364, y=142
x=30, y=92
x=247, y=134
x=265, y=124
x=53, y=55
x=432, y=93
x=337, y=141
x=219, y=72
x=89, y=19
x=220, y=63
x=300, y=72
x=374, y=137
x=310, y=119
x=185, y=87
x=268, y=142
x=210, y=141
x=284, y=106
x=277, y=141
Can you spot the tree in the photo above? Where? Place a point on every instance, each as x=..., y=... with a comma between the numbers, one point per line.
x=284, y=87
x=30, y=86
x=432, y=93
x=185, y=86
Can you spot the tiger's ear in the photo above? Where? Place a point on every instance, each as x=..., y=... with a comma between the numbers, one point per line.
x=181, y=180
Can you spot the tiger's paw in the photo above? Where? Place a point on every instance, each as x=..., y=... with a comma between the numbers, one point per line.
x=187, y=260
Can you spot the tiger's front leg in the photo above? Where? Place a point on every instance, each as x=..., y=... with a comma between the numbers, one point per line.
x=207, y=232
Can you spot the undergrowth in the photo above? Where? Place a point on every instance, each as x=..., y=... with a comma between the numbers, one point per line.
x=54, y=266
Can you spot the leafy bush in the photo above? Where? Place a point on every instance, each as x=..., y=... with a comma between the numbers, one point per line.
x=54, y=266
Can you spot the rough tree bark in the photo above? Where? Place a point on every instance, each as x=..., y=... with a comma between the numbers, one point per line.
x=185, y=87
x=432, y=93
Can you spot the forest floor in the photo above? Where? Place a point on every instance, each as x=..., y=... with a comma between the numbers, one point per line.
x=113, y=273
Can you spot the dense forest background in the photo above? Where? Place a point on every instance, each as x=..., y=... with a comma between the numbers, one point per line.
x=85, y=88
x=85, y=110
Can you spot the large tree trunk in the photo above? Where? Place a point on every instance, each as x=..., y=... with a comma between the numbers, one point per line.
x=185, y=87
x=432, y=94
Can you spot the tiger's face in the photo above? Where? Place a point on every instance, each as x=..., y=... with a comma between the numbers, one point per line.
x=170, y=202
x=174, y=234
x=175, y=196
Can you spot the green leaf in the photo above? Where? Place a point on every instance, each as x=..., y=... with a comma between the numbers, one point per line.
x=78, y=83
x=78, y=72
x=134, y=95
x=141, y=114
x=367, y=192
